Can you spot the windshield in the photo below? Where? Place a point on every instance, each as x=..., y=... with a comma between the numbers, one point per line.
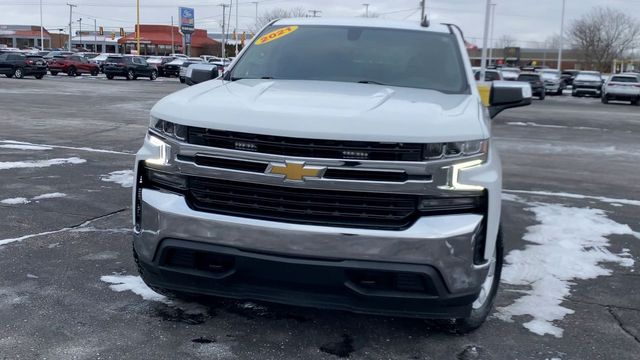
x=624, y=79
x=588, y=77
x=550, y=75
x=405, y=58
x=529, y=77
x=115, y=59
x=154, y=60
x=176, y=62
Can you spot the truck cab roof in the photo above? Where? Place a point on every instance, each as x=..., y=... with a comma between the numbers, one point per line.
x=364, y=22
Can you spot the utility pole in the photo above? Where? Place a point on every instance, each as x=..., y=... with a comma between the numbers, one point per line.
x=173, y=47
x=423, y=9
x=366, y=10
x=561, y=37
x=42, y=30
x=71, y=6
x=493, y=23
x=235, y=31
x=138, y=26
x=314, y=13
x=224, y=17
x=483, y=66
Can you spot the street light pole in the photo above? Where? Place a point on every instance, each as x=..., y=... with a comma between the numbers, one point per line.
x=80, y=22
x=493, y=23
x=224, y=17
x=71, y=6
x=561, y=37
x=95, y=36
x=42, y=30
x=138, y=26
x=366, y=10
x=483, y=66
x=256, y=3
x=172, y=40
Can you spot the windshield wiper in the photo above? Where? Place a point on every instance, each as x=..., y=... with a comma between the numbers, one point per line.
x=370, y=82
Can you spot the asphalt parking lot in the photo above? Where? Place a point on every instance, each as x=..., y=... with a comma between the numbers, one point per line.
x=69, y=288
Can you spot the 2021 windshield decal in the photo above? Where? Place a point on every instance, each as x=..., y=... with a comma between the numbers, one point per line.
x=276, y=34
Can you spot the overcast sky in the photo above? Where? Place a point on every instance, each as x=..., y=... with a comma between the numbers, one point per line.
x=524, y=20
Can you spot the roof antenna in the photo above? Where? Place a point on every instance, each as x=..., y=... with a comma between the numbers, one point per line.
x=424, y=19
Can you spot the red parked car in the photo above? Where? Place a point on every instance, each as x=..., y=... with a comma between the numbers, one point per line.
x=72, y=65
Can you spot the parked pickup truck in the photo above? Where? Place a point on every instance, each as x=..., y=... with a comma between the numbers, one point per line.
x=73, y=65
x=322, y=171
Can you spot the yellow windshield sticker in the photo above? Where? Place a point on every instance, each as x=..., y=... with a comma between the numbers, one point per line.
x=276, y=34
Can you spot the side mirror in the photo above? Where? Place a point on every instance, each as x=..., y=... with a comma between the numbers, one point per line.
x=200, y=73
x=508, y=94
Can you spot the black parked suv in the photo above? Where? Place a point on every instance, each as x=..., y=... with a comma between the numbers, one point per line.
x=130, y=67
x=20, y=65
x=536, y=82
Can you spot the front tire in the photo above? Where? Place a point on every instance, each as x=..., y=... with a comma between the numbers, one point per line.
x=110, y=77
x=95, y=72
x=18, y=73
x=131, y=75
x=72, y=72
x=605, y=99
x=542, y=96
x=39, y=77
x=484, y=304
x=154, y=75
x=54, y=73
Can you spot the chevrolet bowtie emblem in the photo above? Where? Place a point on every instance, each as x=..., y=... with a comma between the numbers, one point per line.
x=295, y=171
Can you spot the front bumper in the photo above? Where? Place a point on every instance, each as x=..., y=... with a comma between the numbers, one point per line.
x=359, y=286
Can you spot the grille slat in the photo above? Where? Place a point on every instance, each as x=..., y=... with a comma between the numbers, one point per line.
x=319, y=207
x=299, y=147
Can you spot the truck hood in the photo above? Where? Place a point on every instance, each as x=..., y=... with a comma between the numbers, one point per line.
x=326, y=110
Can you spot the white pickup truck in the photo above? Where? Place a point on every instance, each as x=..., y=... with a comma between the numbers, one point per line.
x=337, y=163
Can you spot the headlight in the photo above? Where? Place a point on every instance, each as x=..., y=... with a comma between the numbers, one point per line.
x=169, y=129
x=459, y=149
x=161, y=151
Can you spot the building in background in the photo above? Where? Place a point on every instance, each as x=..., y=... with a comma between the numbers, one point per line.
x=524, y=57
x=23, y=36
x=156, y=40
x=89, y=40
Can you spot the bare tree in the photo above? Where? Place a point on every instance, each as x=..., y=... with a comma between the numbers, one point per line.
x=602, y=35
x=505, y=41
x=552, y=42
x=277, y=13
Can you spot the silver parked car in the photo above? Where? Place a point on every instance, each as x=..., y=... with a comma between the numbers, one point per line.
x=622, y=87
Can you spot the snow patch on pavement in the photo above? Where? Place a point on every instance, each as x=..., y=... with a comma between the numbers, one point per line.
x=15, y=201
x=88, y=149
x=49, y=196
x=122, y=177
x=568, y=244
x=614, y=202
x=24, y=147
x=23, y=201
x=39, y=163
x=136, y=285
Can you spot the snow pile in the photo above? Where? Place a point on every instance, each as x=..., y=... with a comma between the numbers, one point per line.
x=39, y=163
x=569, y=244
x=15, y=201
x=122, y=177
